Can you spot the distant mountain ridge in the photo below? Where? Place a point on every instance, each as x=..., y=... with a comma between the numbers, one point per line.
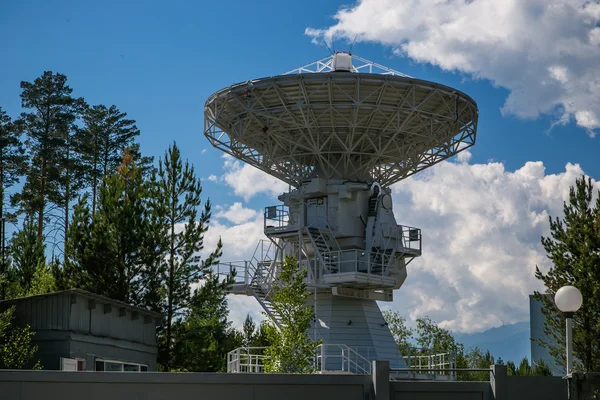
x=511, y=341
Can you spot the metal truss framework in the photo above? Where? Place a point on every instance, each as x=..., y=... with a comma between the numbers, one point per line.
x=359, y=65
x=340, y=125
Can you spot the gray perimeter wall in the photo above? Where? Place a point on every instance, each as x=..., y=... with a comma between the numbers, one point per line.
x=63, y=385
x=424, y=390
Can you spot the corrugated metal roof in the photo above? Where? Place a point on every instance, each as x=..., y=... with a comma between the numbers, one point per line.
x=87, y=295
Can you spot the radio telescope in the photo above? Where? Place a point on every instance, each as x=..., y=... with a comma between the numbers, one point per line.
x=339, y=131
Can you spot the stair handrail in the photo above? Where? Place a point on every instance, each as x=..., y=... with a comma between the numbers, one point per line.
x=327, y=236
x=346, y=357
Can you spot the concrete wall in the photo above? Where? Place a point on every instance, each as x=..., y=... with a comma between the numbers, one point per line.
x=423, y=390
x=536, y=387
x=90, y=348
x=584, y=386
x=60, y=385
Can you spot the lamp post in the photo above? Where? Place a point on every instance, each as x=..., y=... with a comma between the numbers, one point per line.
x=568, y=299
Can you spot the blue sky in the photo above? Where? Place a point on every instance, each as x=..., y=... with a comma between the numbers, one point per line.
x=160, y=61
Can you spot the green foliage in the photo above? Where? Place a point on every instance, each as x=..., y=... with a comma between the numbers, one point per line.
x=203, y=339
x=27, y=251
x=574, y=249
x=43, y=281
x=525, y=369
x=16, y=350
x=291, y=350
x=12, y=158
x=107, y=132
x=52, y=112
x=108, y=253
x=477, y=358
x=401, y=333
x=255, y=336
x=248, y=331
x=174, y=201
x=12, y=166
x=431, y=336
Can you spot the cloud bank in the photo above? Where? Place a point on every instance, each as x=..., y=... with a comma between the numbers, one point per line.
x=545, y=52
x=481, y=231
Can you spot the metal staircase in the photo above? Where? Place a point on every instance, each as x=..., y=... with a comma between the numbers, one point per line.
x=261, y=271
x=326, y=248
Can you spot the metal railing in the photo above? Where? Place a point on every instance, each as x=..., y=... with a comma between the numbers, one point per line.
x=328, y=358
x=246, y=360
x=402, y=238
x=278, y=218
x=341, y=358
x=426, y=360
x=359, y=261
x=438, y=374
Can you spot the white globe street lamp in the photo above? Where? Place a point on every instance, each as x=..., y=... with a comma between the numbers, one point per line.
x=568, y=299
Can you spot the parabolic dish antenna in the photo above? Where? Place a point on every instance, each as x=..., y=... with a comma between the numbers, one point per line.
x=337, y=120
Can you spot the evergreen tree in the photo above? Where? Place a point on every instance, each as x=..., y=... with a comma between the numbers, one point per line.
x=70, y=179
x=248, y=331
x=27, y=252
x=107, y=133
x=574, y=249
x=52, y=113
x=175, y=199
x=262, y=336
x=524, y=369
x=203, y=339
x=12, y=166
x=108, y=254
x=291, y=349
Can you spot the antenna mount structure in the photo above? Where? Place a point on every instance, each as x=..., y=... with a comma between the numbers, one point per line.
x=340, y=131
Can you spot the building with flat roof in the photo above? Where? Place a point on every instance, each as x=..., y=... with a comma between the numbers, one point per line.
x=82, y=331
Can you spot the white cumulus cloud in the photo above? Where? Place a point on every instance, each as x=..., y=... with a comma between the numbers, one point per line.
x=481, y=231
x=248, y=181
x=236, y=213
x=545, y=52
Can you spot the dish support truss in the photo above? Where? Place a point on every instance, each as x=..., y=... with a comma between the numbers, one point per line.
x=359, y=65
x=340, y=125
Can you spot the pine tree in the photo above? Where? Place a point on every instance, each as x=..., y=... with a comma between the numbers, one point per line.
x=27, y=254
x=204, y=337
x=108, y=253
x=52, y=113
x=12, y=167
x=70, y=179
x=175, y=199
x=574, y=249
x=107, y=133
x=248, y=331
